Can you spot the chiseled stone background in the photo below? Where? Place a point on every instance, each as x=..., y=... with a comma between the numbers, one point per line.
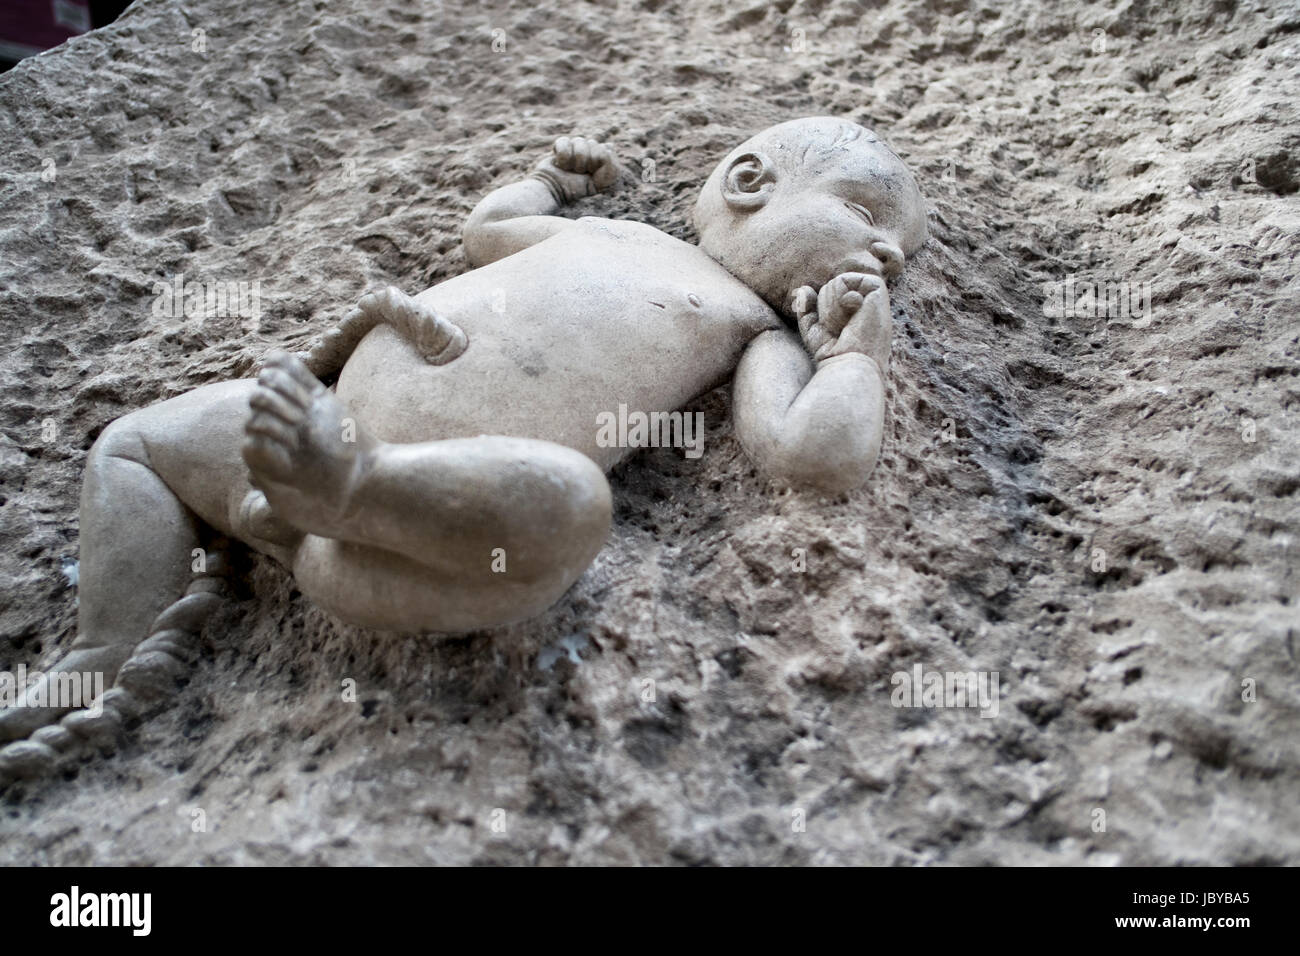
x=1112, y=528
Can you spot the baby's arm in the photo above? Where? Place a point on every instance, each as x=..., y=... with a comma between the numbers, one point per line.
x=813, y=413
x=515, y=217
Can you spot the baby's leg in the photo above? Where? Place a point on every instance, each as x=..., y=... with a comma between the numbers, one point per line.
x=151, y=480
x=450, y=535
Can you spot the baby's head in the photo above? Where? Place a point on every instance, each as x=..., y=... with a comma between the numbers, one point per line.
x=805, y=201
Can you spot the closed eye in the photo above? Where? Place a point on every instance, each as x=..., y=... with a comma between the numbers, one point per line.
x=862, y=211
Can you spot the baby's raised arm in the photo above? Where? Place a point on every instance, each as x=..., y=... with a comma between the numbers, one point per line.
x=515, y=217
x=812, y=413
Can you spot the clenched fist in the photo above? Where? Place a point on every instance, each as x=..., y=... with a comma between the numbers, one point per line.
x=578, y=167
x=848, y=314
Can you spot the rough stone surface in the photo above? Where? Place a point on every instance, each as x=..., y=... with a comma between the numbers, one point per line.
x=1101, y=531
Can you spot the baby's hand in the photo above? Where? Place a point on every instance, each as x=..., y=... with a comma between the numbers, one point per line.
x=578, y=167
x=848, y=314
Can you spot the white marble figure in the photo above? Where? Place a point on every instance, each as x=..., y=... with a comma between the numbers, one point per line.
x=453, y=479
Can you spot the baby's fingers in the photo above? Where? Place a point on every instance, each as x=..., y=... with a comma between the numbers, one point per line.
x=829, y=308
x=803, y=304
x=604, y=167
x=584, y=155
x=863, y=283
x=577, y=154
x=563, y=150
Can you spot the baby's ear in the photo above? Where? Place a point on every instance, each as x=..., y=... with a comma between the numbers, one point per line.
x=748, y=181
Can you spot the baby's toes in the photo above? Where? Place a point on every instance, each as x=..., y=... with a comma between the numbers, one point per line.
x=267, y=460
x=277, y=408
x=294, y=367
x=268, y=447
x=272, y=428
x=275, y=381
x=271, y=402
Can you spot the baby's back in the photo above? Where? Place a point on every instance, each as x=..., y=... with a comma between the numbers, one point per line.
x=602, y=314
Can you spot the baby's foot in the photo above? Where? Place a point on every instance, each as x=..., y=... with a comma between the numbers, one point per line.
x=302, y=450
x=19, y=722
x=258, y=520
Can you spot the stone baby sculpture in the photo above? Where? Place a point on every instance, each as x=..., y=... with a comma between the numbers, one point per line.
x=462, y=428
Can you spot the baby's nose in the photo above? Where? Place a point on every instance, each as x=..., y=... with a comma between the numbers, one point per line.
x=890, y=256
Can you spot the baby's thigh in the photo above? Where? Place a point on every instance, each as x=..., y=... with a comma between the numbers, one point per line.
x=192, y=442
x=379, y=589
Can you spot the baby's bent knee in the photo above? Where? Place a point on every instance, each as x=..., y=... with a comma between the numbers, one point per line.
x=123, y=438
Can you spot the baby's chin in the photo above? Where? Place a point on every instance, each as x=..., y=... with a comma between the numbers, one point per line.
x=816, y=281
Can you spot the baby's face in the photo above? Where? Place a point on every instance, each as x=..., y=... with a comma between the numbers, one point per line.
x=855, y=210
x=858, y=213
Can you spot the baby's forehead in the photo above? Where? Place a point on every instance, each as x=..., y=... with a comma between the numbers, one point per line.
x=827, y=155
x=869, y=162
x=868, y=171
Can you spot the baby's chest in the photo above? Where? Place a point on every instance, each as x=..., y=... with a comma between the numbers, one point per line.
x=635, y=281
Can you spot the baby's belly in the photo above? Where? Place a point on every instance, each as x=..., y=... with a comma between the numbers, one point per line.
x=602, y=319
x=547, y=386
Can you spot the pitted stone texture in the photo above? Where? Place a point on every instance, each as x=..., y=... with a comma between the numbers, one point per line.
x=330, y=149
